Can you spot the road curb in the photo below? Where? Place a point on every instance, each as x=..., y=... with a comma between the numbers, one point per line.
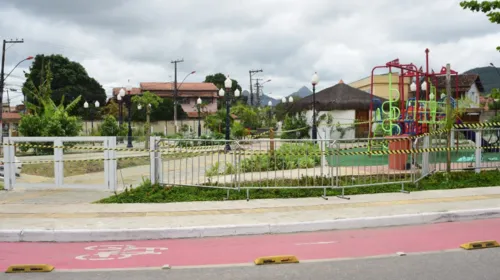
x=85, y=235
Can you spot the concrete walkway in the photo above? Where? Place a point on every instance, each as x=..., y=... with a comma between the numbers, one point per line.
x=60, y=221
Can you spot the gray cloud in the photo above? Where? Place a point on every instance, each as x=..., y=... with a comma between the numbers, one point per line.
x=118, y=40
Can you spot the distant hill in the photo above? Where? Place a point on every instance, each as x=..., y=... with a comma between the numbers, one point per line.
x=264, y=99
x=489, y=76
x=302, y=92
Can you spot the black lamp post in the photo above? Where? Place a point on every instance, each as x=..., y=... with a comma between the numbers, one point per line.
x=128, y=100
x=198, y=105
x=228, y=84
x=121, y=95
x=314, y=81
x=86, y=106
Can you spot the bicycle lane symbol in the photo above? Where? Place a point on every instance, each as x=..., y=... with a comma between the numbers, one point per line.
x=117, y=252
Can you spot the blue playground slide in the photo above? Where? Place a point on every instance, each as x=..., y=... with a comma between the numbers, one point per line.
x=471, y=135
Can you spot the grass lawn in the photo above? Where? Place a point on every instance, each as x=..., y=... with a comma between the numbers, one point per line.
x=80, y=167
x=148, y=193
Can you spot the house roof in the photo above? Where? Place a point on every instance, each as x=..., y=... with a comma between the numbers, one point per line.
x=465, y=81
x=181, y=86
x=133, y=92
x=338, y=97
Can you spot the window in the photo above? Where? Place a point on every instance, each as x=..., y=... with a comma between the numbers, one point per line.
x=185, y=100
x=207, y=100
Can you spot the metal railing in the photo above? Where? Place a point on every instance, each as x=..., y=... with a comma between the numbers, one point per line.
x=324, y=164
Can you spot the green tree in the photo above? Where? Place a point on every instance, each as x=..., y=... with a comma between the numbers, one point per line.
x=247, y=115
x=490, y=8
x=147, y=100
x=69, y=81
x=218, y=80
x=282, y=109
x=295, y=127
x=217, y=122
x=45, y=118
x=109, y=126
x=165, y=111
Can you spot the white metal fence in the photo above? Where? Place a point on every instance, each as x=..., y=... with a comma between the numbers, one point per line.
x=261, y=163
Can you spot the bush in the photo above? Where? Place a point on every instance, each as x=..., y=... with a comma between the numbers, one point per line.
x=149, y=193
x=58, y=124
x=288, y=156
x=238, y=130
x=109, y=127
x=297, y=125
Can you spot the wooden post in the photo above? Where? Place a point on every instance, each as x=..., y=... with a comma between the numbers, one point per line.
x=449, y=117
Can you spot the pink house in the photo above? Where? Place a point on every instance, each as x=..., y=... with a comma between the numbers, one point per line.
x=188, y=93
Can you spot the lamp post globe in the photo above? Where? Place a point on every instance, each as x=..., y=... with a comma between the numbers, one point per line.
x=221, y=92
x=85, y=105
x=290, y=99
x=228, y=83
x=283, y=100
x=237, y=93
x=97, y=104
x=198, y=101
x=139, y=107
x=269, y=103
x=121, y=92
x=315, y=79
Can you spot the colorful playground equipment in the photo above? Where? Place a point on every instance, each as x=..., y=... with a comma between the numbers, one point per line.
x=423, y=113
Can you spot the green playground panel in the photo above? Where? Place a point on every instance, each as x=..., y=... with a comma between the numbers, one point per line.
x=378, y=160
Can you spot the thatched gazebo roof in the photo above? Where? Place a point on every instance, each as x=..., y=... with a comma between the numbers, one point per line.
x=338, y=97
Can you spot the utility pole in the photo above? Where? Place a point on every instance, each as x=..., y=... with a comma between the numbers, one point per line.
x=449, y=116
x=252, y=72
x=175, y=91
x=2, y=80
x=257, y=85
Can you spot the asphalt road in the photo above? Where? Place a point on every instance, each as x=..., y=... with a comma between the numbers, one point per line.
x=455, y=265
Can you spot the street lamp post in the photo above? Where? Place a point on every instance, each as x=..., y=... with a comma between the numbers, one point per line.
x=121, y=95
x=86, y=106
x=129, y=107
x=198, y=105
x=314, y=82
x=228, y=83
x=493, y=65
x=270, y=105
x=2, y=82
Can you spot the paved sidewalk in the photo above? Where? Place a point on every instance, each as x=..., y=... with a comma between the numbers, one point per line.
x=85, y=216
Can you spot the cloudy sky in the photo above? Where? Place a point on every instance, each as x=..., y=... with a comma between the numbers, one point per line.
x=117, y=40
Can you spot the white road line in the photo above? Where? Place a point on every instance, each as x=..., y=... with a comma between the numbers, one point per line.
x=317, y=243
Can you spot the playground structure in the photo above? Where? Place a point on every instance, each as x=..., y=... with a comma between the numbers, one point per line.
x=418, y=114
x=423, y=113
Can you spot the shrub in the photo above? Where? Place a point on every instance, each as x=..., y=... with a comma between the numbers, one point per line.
x=109, y=127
